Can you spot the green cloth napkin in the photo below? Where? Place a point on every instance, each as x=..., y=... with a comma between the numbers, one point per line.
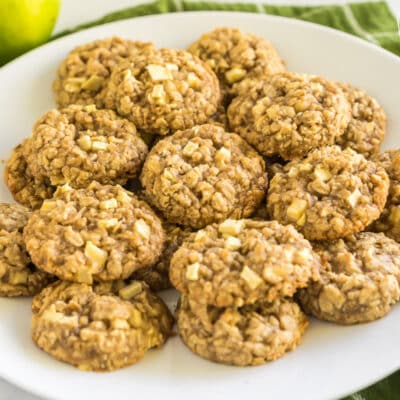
x=372, y=21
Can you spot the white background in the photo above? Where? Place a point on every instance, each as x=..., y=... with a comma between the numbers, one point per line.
x=74, y=12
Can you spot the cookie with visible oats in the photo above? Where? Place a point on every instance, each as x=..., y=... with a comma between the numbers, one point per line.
x=330, y=194
x=250, y=335
x=367, y=126
x=359, y=280
x=80, y=144
x=234, y=55
x=99, y=330
x=100, y=233
x=289, y=114
x=203, y=175
x=157, y=276
x=389, y=221
x=18, y=276
x=27, y=189
x=164, y=91
x=87, y=68
x=241, y=262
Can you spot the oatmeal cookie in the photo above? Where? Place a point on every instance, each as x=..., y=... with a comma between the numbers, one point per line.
x=366, y=129
x=13, y=217
x=157, y=276
x=234, y=55
x=80, y=144
x=330, y=194
x=100, y=233
x=86, y=70
x=289, y=114
x=359, y=279
x=99, y=331
x=389, y=220
x=163, y=92
x=203, y=175
x=18, y=276
x=26, y=188
x=241, y=262
x=250, y=335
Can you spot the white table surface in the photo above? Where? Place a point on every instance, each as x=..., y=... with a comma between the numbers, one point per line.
x=89, y=10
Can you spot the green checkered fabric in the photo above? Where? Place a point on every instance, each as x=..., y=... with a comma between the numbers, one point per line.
x=372, y=21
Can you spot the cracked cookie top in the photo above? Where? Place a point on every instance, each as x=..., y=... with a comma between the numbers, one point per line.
x=234, y=55
x=203, y=175
x=87, y=68
x=250, y=335
x=164, y=91
x=367, y=126
x=27, y=189
x=359, y=280
x=99, y=330
x=241, y=262
x=289, y=114
x=80, y=144
x=332, y=193
x=100, y=233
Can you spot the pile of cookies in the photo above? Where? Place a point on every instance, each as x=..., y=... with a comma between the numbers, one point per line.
x=260, y=194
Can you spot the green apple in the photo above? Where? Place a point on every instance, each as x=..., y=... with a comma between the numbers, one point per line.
x=25, y=24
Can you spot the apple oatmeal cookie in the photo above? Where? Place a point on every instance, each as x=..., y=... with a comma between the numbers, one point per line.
x=27, y=189
x=80, y=144
x=234, y=55
x=367, y=126
x=330, y=194
x=99, y=331
x=389, y=221
x=87, y=68
x=203, y=175
x=18, y=276
x=289, y=114
x=241, y=262
x=100, y=233
x=250, y=335
x=359, y=280
x=164, y=91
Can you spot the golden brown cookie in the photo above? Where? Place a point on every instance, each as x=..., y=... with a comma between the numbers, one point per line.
x=87, y=68
x=234, y=55
x=164, y=91
x=330, y=194
x=80, y=144
x=241, y=262
x=101, y=233
x=18, y=276
x=367, y=126
x=360, y=279
x=250, y=335
x=203, y=175
x=99, y=331
x=289, y=114
x=27, y=189
x=389, y=221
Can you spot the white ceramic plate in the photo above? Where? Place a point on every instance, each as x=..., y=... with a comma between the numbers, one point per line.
x=333, y=360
